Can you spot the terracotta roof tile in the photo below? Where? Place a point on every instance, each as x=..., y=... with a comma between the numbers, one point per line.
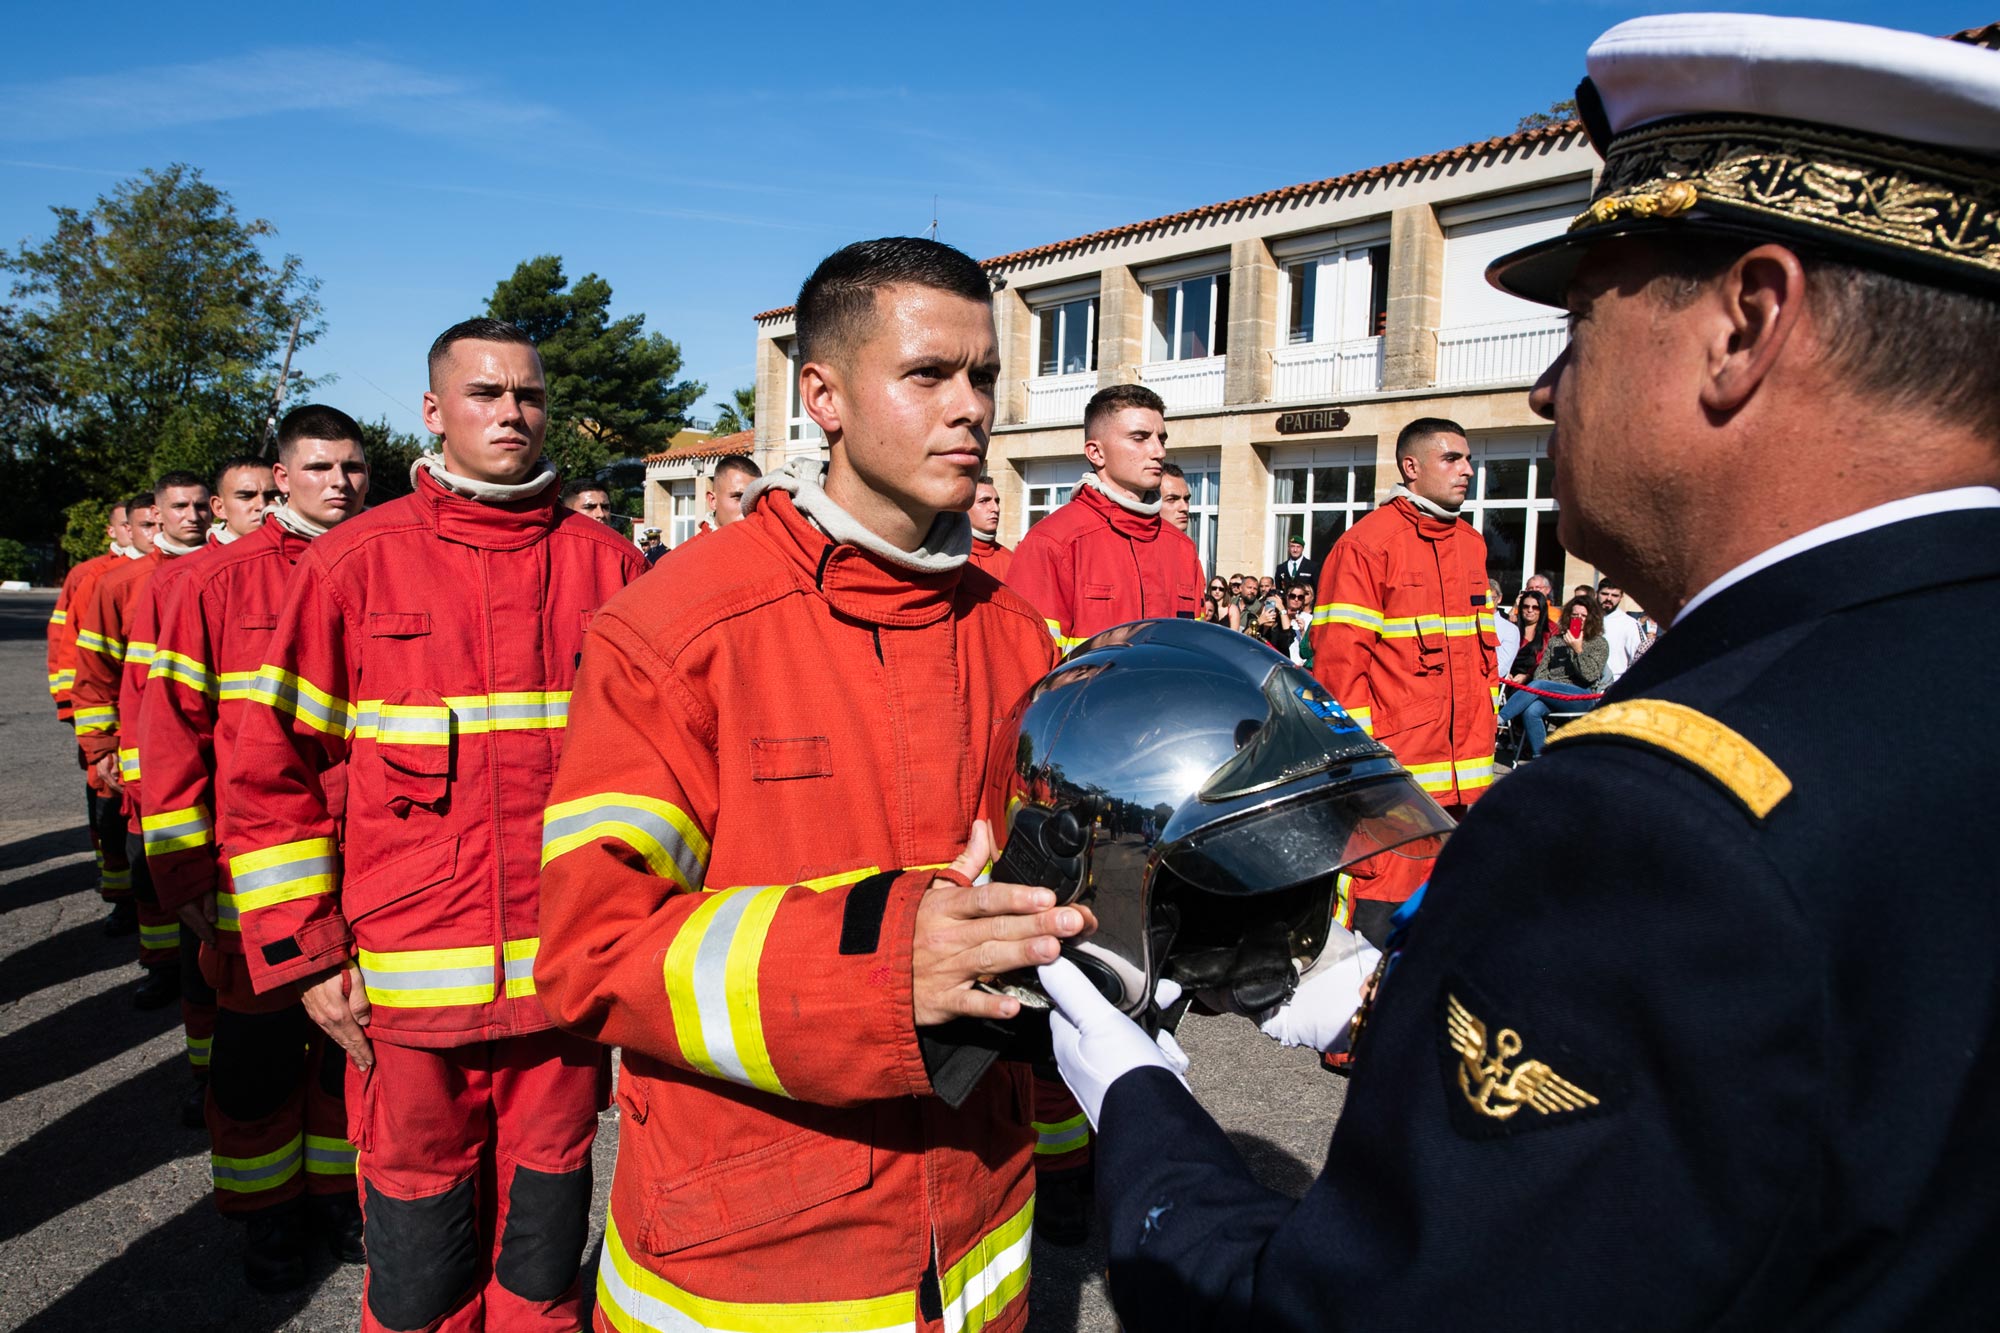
x=1987, y=36
x=715, y=446
x=1520, y=138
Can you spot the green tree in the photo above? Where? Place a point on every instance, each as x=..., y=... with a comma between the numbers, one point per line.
x=1557, y=113
x=739, y=414
x=390, y=454
x=83, y=529
x=156, y=322
x=612, y=386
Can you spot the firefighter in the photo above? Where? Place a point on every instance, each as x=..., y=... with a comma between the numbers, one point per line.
x=275, y=1109
x=1104, y=558
x=1403, y=636
x=430, y=645
x=171, y=527
x=743, y=882
x=987, y=552
x=82, y=578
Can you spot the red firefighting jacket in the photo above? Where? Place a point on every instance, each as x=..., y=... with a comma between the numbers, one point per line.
x=79, y=584
x=430, y=645
x=212, y=640
x=159, y=591
x=992, y=557
x=1404, y=638
x=1092, y=564
x=102, y=642
x=767, y=747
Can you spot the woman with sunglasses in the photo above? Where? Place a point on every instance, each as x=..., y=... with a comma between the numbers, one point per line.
x=1219, y=607
x=1531, y=614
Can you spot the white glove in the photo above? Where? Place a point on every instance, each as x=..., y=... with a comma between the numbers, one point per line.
x=1095, y=1044
x=1321, y=1008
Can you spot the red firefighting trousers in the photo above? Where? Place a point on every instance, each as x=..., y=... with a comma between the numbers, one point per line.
x=277, y=1097
x=475, y=1181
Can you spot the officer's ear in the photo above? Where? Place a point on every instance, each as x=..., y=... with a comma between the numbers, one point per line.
x=821, y=389
x=1093, y=454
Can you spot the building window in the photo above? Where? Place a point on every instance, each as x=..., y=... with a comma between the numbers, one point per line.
x=798, y=426
x=1066, y=338
x=1190, y=319
x=1338, y=297
x=1048, y=483
x=1204, y=479
x=1317, y=492
x=1513, y=504
x=682, y=516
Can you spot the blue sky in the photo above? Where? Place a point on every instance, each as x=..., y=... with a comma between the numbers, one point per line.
x=702, y=160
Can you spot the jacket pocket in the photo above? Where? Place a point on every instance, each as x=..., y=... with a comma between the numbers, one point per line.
x=779, y=1180
x=257, y=620
x=398, y=624
x=1099, y=592
x=397, y=878
x=778, y=759
x=413, y=736
x=1406, y=720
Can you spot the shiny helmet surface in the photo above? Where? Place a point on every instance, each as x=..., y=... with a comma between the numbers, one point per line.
x=1201, y=795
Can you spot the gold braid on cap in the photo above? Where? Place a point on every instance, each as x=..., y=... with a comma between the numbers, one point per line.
x=1849, y=188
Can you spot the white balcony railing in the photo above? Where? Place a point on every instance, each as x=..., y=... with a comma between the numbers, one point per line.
x=1516, y=351
x=1185, y=385
x=1060, y=397
x=1326, y=370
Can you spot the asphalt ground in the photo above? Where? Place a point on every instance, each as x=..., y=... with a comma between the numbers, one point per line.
x=105, y=1213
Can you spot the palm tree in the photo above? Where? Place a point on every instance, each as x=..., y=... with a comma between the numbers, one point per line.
x=739, y=415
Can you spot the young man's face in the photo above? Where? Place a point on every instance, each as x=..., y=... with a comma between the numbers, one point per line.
x=591, y=504
x=1130, y=449
x=326, y=481
x=1439, y=468
x=1609, y=596
x=985, y=512
x=239, y=505
x=725, y=496
x=1174, y=497
x=490, y=403
x=910, y=403
x=118, y=528
x=1295, y=548
x=183, y=513
x=145, y=522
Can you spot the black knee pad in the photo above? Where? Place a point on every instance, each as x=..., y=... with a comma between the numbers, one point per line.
x=257, y=1061
x=423, y=1255
x=548, y=1220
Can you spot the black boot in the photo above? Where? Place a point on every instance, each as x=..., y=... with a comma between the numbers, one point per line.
x=161, y=987
x=1062, y=1212
x=272, y=1257
x=124, y=918
x=337, y=1219
x=194, y=1107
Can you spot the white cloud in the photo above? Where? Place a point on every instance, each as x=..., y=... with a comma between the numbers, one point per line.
x=273, y=81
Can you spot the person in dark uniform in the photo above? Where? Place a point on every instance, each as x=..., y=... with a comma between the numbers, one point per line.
x=1724, y=1055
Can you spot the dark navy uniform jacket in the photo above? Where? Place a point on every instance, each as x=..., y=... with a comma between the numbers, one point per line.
x=1696, y=1026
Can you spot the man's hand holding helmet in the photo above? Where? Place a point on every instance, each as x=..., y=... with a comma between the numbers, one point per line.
x=968, y=932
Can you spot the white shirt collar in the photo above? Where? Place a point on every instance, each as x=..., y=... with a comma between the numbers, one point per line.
x=1881, y=516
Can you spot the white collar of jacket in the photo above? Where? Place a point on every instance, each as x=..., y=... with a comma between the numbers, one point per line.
x=1143, y=508
x=129, y=552
x=990, y=538
x=483, y=490
x=944, y=547
x=292, y=521
x=1424, y=506
x=172, y=548
x=222, y=534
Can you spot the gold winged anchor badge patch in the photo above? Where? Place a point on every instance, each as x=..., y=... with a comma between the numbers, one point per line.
x=1490, y=1086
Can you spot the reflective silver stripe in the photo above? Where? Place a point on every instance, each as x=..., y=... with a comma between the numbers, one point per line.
x=266, y=1175
x=303, y=868
x=435, y=978
x=711, y=988
x=646, y=821
x=519, y=969
x=1050, y=1140
x=342, y=1158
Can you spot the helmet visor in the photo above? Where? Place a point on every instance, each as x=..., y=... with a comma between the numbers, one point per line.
x=1317, y=834
x=1305, y=732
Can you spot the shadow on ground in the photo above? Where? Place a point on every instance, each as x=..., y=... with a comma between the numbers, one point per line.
x=57, y=842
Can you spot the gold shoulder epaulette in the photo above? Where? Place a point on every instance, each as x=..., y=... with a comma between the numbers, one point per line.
x=1694, y=738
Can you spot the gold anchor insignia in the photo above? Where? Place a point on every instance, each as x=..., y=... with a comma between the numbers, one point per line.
x=1490, y=1086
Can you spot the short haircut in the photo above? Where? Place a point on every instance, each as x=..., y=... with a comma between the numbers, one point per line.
x=230, y=464
x=1865, y=317
x=315, y=421
x=475, y=330
x=583, y=486
x=1172, y=470
x=736, y=463
x=1422, y=429
x=178, y=478
x=116, y=505
x=1115, y=398
x=986, y=479
x=837, y=303
x=1603, y=583
x=142, y=500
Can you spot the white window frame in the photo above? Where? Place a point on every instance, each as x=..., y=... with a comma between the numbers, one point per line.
x=1532, y=445
x=1046, y=486
x=799, y=428
x=1204, y=510
x=683, y=517
x=1060, y=311
x=1311, y=457
x=1343, y=302
x=1218, y=315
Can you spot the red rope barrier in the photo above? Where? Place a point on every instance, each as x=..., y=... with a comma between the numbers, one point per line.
x=1555, y=694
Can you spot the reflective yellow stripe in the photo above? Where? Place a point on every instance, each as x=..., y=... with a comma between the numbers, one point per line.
x=1063, y=641
x=991, y=1277
x=1053, y=1138
x=182, y=669
x=91, y=641
x=299, y=698
x=253, y=1175
x=228, y=916
x=1474, y=772
x=59, y=617
x=670, y=841
x=1365, y=716
x=177, y=830
x=428, y=978
x=1398, y=627
x=198, y=1050
x=115, y=881
x=328, y=1156
x=165, y=935
x=517, y=966
x=1431, y=777
x=710, y=974
x=128, y=765
x=97, y=719
x=463, y=715
x=1347, y=613
x=635, y=1300
x=282, y=874
x=139, y=652
x=1343, y=900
